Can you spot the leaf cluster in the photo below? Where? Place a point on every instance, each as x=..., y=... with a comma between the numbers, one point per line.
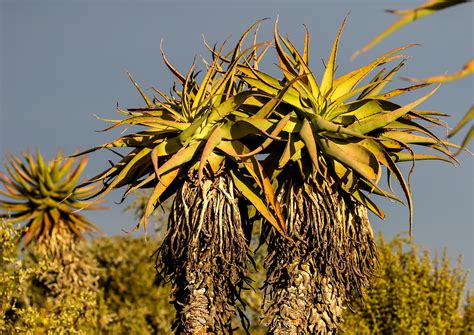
x=44, y=195
x=340, y=130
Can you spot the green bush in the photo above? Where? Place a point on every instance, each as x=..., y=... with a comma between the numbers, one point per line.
x=468, y=315
x=24, y=310
x=133, y=298
x=410, y=294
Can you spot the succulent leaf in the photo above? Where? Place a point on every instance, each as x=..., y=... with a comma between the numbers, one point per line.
x=408, y=16
x=355, y=138
x=45, y=196
x=252, y=125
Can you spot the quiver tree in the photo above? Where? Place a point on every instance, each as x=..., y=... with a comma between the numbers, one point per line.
x=242, y=145
x=190, y=148
x=207, y=248
x=335, y=138
x=43, y=196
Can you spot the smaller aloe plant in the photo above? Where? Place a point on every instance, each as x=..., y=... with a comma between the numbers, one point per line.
x=44, y=196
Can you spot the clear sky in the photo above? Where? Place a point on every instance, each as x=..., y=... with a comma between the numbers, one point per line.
x=63, y=61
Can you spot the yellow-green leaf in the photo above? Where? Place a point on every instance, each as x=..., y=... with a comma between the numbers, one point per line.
x=408, y=16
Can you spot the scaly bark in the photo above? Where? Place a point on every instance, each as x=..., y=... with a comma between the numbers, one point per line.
x=205, y=253
x=332, y=257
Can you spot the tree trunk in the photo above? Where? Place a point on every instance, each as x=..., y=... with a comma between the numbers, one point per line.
x=332, y=258
x=73, y=271
x=67, y=287
x=205, y=253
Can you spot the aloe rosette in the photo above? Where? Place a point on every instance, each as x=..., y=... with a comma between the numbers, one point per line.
x=44, y=196
x=190, y=149
x=340, y=134
x=346, y=141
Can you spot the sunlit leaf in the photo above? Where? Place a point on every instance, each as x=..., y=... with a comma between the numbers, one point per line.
x=408, y=16
x=464, y=121
x=43, y=196
x=465, y=71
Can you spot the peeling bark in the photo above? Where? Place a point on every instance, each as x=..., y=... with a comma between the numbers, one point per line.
x=205, y=254
x=332, y=258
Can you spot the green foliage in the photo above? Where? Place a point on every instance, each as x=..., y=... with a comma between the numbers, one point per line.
x=411, y=294
x=24, y=311
x=12, y=276
x=134, y=301
x=130, y=300
x=468, y=315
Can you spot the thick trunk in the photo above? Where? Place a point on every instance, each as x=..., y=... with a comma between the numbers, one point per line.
x=67, y=288
x=306, y=303
x=73, y=271
x=205, y=253
x=332, y=258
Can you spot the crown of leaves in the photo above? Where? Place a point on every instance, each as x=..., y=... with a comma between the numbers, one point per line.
x=252, y=125
x=44, y=196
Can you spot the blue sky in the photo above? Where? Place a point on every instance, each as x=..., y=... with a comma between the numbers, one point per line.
x=64, y=61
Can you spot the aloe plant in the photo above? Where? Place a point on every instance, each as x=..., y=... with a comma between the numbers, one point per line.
x=337, y=135
x=242, y=145
x=43, y=198
x=189, y=148
x=43, y=195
